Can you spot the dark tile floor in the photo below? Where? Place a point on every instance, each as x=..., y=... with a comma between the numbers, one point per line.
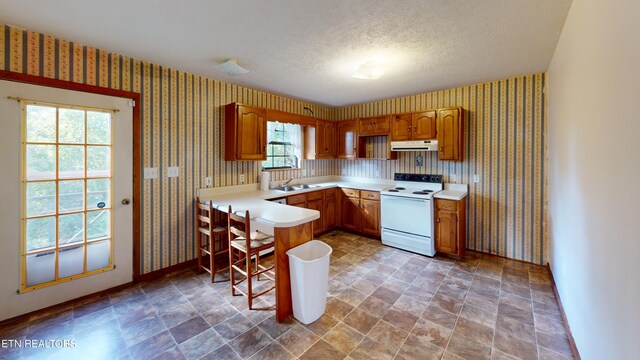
x=383, y=303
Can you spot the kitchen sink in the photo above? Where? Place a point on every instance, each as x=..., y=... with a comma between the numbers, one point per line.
x=294, y=187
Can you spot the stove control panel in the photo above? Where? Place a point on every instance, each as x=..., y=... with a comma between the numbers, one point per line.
x=418, y=178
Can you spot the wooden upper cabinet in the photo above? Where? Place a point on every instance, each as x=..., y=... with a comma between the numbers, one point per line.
x=245, y=133
x=450, y=128
x=320, y=140
x=374, y=126
x=347, y=139
x=401, y=127
x=424, y=125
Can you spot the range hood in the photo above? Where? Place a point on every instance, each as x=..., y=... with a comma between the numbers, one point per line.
x=416, y=145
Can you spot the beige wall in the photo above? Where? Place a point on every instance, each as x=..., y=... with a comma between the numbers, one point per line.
x=594, y=167
x=182, y=119
x=504, y=144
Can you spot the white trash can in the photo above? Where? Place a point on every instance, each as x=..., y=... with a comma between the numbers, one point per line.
x=309, y=268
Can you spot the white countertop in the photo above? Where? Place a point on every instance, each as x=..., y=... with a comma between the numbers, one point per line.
x=271, y=214
x=452, y=192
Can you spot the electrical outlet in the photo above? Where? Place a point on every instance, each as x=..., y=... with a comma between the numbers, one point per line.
x=208, y=181
x=476, y=178
x=150, y=173
x=344, y=171
x=173, y=171
x=313, y=172
x=454, y=178
x=241, y=178
x=377, y=173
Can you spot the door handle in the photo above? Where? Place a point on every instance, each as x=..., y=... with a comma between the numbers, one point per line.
x=126, y=201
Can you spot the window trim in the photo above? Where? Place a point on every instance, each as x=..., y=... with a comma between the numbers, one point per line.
x=23, y=200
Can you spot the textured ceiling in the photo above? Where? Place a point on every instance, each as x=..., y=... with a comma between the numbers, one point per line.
x=309, y=49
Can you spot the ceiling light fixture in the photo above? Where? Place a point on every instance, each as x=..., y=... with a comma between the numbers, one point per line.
x=369, y=70
x=231, y=67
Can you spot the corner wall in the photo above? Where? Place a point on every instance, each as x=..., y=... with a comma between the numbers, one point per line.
x=594, y=167
x=182, y=118
x=504, y=143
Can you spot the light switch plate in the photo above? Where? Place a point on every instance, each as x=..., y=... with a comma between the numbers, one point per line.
x=173, y=171
x=476, y=178
x=241, y=178
x=150, y=173
x=208, y=181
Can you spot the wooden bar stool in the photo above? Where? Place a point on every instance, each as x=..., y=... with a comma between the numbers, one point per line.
x=211, y=236
x=242, y=249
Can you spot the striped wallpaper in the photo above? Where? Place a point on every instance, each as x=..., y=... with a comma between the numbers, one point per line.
x=505, y=126
x=182, y=119
x=182, y=115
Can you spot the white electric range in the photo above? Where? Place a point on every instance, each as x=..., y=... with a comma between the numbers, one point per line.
x=407, y=212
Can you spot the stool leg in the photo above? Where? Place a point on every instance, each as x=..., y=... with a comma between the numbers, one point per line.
x=249, y=276
x=232, y=278
x=212, y=259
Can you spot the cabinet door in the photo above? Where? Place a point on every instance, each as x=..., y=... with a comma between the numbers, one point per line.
x=370, y=217
x=350, y=211
x=317, y=224
x=330, y=138
x=347, y=138
x=365, y=126
x=329, y=213
x=449, y=134
x=381, y=125
x=446, y=232
x=251, y=137
x=320, y=139
x=401, y=127
x=424, y=125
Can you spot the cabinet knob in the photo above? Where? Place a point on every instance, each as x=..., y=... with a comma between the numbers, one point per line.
x=438, y=220
x=415, y=129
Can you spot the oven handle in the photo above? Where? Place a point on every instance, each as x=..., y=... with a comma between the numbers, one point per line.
x=392, y=197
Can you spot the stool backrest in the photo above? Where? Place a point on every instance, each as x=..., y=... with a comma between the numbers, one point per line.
x=240, y=226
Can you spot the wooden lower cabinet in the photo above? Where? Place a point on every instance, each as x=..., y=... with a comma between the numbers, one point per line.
x=360, y=211
x=330, y=212
x=350, y=211
x=324, y=201
x=370, y=217
x=318, y=226
x=450, y=227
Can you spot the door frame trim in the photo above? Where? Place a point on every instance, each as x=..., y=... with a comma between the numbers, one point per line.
x=137, y=184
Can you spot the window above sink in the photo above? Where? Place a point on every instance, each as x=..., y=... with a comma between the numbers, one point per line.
x=284, y=146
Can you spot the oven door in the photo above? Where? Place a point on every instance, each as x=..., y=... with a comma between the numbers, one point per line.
x=410, y=215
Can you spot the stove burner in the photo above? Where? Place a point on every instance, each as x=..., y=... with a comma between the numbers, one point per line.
x=394, y=190
x=400, y=188
x=421, y=192
x=427, y=191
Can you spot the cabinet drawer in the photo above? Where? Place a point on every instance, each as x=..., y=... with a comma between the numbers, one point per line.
x=315, y=195
x=442, y=204
x=351, y=193
x=369, y=195
x=296, y=199
x=329, y=193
